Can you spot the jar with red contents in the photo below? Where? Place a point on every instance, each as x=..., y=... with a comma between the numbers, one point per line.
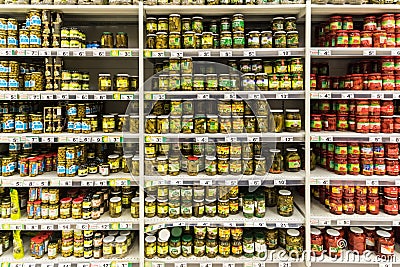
x=361, y=191
x=336, y=191
x=353, y=150
x=379, y=166
x=335, y=205
x=362, y=107
x=374, y=81
x=372, y=191
x=397, y=64
x=366, y=150
x=397, y=40
x=333, y=246
x=391, y=191
x=316, y=122
x=379, y=39
x=340, y=166
x=388, y=229
x=329, y=122
x=369, y=23
x=352, y=123
x=348, y=84
x=391, y=205
x=317, y=242
x=388, y=23
x=392, y=150
x=342, y=107
x=349, y=205
x=373, y=205
x=353, y=166
x=348, y=190
x=392, y=166
x=370, y=234
x=313, y=82
x=387, y=108
x=335, y=23
x=341, y=150
x=367, y=167
x=384, y=243
x=331, y=39
x=397, y=80
x=361, y=205
x=379, y=150
x=330, y=162
x=365, y=67
x=387, y=124
x=374, y=108
x=387, y=64
x=357, y=81
x=357, y=240
x=366, y=39
x=335, y=83
x=342, y=38
x=323, y=83
x=324, y=106
x=354, y=38
x=396, y=124
x=390, y=40
x=347, y=23
x=362, y=124
x=388, y=82
x=374, y=124
x=366, y=82
x=342, y=123
x=397, y=22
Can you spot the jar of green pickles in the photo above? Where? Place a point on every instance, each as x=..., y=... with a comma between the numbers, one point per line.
x=271, y=238
x=292, y=160
x=285, y=205
x=207, y=40
x=294, y=243
x=280, y=39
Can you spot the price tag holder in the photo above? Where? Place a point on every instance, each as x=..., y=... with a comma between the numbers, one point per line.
x=99, y=53
x=63, y=53
x=177, y=54
x=182, y=264
x=204, y=53
x=228, y=265
x=231, y=182
x=282, y=96
x=230, y=139
x=287, y=138
x=206, y=182
x=280, y=182
x=80, y=53
x=255, y=182
x=230, y=96
x=284, y=53
x=348, y=96
x=324, y=95
x=326, y=138
x=282, y=225
x=202, y=139
x=100, y=97
x=177, y=182
x=253, y=139
x=230, y=224
x=82, y=97
x=372, y=183
x=203, y=96
x=226, y=54
x=321, y=52
x=395, y=52
x=158, y=96
x=375, y=139
x=48, y=227
x=377, y=95
x=369, y=52
x=343, y=222
x=249, y=53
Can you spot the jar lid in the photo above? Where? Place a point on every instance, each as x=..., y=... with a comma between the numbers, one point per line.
x=391, y=198
x=123, y=75
x=356, y=230
x=113, y=156
x=150, y=199
x=276, y=18
x=77, y=200
x=392, y=159
x=66, y=200
x=370, y=228
x=279, y=32
x=108, y=239
x=135, y=200
x=293, y=232
x=292, y=32
x=125, y=233
x=105, y=74
x=187, y=238
x=164, y=235
x=115, y=199
x=315, y=231
x=288, y=18
x=108, y=116
x=174, y=15
x=260, y=158
x=151, y=18
x=292, y=110
x=176, y=231
x=285, y=192
x=223, y=200
x=193, y=158
x=211, y=158
x=198, y=200
x=276, y=111
x=127, y=156
x=150, y=239
x=291, y=149
x=120, y=239
x=332, y=232
x=383, y=233
x=162, y=200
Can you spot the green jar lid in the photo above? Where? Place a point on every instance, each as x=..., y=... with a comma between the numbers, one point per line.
x=122, y=33
x=248, y=235
x=108, y=33
x=176, y=231
x=249, y=197
x=187, y=238
x=175, y=239
x=259, y=236
x=258, y=198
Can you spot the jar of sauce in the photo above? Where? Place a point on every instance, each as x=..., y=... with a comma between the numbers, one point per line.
x=391, y=205
x=348, y=205
x=317, y=242
x=361, y=205
x=384, y=243
x=357, y=240
x=335, y=205
x=370, y=234
x=392, y=166
x=373, y=205
x=332, y=243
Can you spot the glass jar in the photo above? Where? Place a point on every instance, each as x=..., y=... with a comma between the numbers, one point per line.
x=285, y=205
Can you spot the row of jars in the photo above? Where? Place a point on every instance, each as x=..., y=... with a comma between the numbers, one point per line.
x=120, y=82
x=222, y=2
x=358, y=200
x=368, y=159
x=222, y=241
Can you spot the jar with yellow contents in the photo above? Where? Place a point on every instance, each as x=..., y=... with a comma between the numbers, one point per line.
x=114, y=161
x=108, y=123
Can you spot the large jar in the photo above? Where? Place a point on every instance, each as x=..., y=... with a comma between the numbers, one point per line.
x=285, y=205
x=293, y=120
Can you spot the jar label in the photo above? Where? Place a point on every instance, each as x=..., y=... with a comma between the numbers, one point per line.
x=11, y=40
x=293, y=123
x=20, y=126
x=8, y=125
x=34, y=40
x=387, y=249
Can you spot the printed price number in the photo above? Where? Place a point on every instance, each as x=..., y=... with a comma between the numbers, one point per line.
x=343, y=222
x=63, y=53
x=125, y=53
x=321, y=52
x=17, y=183
x=375, y=139
x=16, y=265
x=377, y=95
x=158, y=96
x=322, y=182
x=122, y=182
x=122, y=264
x=326, y=138
x=284, y=53
x=180, y=265
x=249, y=53
x=100, y=97
x=280, y=182
x=83, y=264
x=324, y=222
x=225, y=54
x=395, y=52
x=64, y=264
x=206, y=265
x=396, y=96
x=65, y=182
x=79, y=53
x=82, y=97
x=87, y=183
x=62, y=97
x=16, y=227
x=287, y=139
x=372, y=183
x=231, y=182
x=104, y=264
x=30, y=264
x=84, y=139
x=11, y=97
x=47, y=227
x=205, y=182
x=202, y=139
x=14, y=139
x=205, y=54
x=158, y=54
x=253, y=139
x=285, y=264
x=99, y=53
x=176, y=54
x=33, y=97
x=32, y=139
x=348, y=96
x=230, y=139
x=282, y=96
x=203, y=96
x=255, y=182
x=369, y=52
x=324, y=95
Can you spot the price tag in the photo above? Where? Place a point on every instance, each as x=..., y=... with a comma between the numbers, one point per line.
x=101, y=183
x=228, y=265
x=158, y=96
x=65, y=182
x=82, y=97
x=32, y=139
x=322, y=52
x=280, y=182
x=253, y=139
x=230, y=96
x=230, y=224
x=284, y=53
x=254, y=96
x=156, y=139
x=79, y=53
x=11, y=96
x=84, y=139
x=47, y=97
x=157, y=264
x=282, y=96
x=326, y=138
x=100, y=97
x=47, y=265
x=177, y=182
x=122, y=182
x=202, y=139
x=230, y=139
x=62, y=97
x=395, y=52
x=127, y=97
x=44, y=53
x=249, y=53
x=176, y=54
x=32, y=227
x=204, y=53
x=258, y=264
x=180, y=264
x=97, y=139
x=385, y=264
x=28, y=183
x=125, y=225
x=375, y=139
x=17, y=183
x=114, y=139
x=322, y=182
x=205, y=182
x=206, y=265
x=254, y=182
x=285, y=264
x=225, y=53
x=122, y=264
x=158, y=54
x=73, y=139
x=181, y=224
x=31, y=264
x=48, y=227
x=203, y=224
x=396, y=96
x=348, y=96
x=203, y=96
x=231, y=182
x=124, y=53
x=324, y=96
x=377, y=95
x=343, y=222
x=104, y=264
x=63, y=53
x=282, y=225
x=369, y=52
x=41, y=183
x=63, y=226
x=83, y=264
x=82, y=226
x=14, y=139
x=372, y=183
x=99, y=53
x=34, y=97
x=324, y=222
x=16, y=227
x=87, y=183
x=287, y=138
x=396, y=223
x=394, y=139
x=16, y=265
x=260, y=224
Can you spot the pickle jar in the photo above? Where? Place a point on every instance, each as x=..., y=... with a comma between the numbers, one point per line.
x=285, y=203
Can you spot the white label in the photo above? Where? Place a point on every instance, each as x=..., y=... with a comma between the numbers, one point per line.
x=205, y=182
x=396, y=96
x=282, y=96
x=326, y=138
x=254, y=182
x=280, y=182
x=32, y=227
x=44, y=53
x=206, y=265
x=127, y=97
x=230, y=96
x=64, y=226
x=369, y=52
x=104, y=264
x=230, y=139
x=202, y=139
x=16, y=227
x=157, y=139
x=249, y=53
x=385, y=264
x=372, y=183
x=348, y=96
x=47, y=227
x=32, y=139
x=228, y=265
x=28, y=183
x=158, y=54
x=99, y=53
x=395, y=52
x=375, y=139
x=324, y=96
x=65, y=182
x=284, y=53
x=176, y=54
x=87, y=183
x=324, y=222
x=260, y=224
x=97, y=139
x=62, y=97
x=31, y=264
x=203, y=224
x=33, y=97
x=82, y=226
x=114, y=139
x=377, y=95
x=204, y=53
x=158, y=96
x=157, y=264
x=203, y=96
x=84, y=139
x=396, y=223
x=47, y=265
x=121, y=182
x=11, y=96
x=225, y=53
x=122, y=264
x=125, y=225
x=79, y=53
x=47, y=97
x=100, y=97
x=17, y=183
x=182, y=224
x=321, y=52
x=6, y=52
x=397, y=182
x=253, y=139
x=231, y=182
x=322, y=182
x=282, y=225
x=343, y=222
x=176, y=182
x=63, y=53
x=254, y=96
x=101, y=183
x=287, y=138
x=73, y=139
x=82, y=97
x=230, y=224
x=14, y=139
x=258, y=264
x=180, y=265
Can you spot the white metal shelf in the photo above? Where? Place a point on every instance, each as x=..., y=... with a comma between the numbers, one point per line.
x=367, y=9
x=351, y=94
x=337, y=136
x=105, y=222
x=320, y=176
x=338, y=52
x=70, y=52
x=202, y=95
x=68, y=95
